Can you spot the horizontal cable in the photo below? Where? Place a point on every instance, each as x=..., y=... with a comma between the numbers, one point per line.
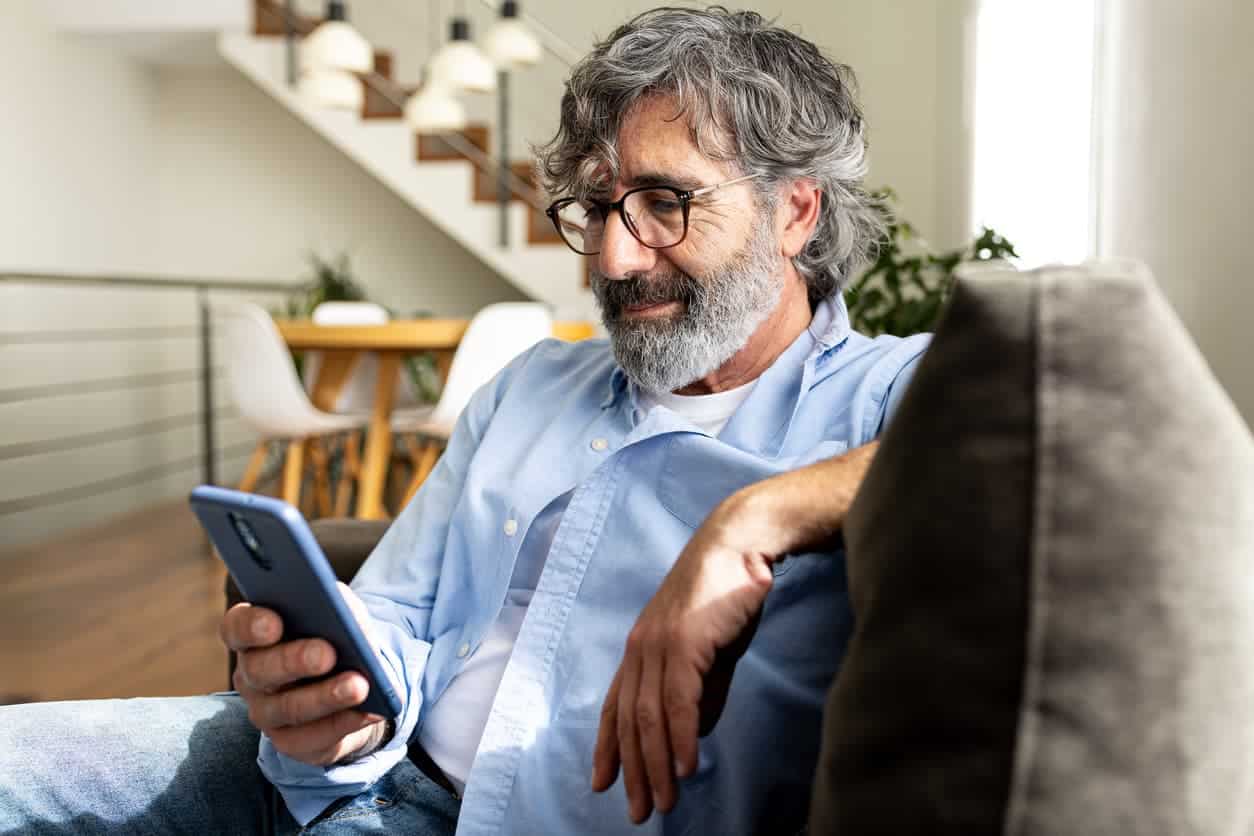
x=102, y=486
x=158, y=282
x=97, y=335
x=91, y=439
x=104, y=384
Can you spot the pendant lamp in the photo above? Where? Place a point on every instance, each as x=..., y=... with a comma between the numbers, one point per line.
x=509, y=43
x=460, y=65
x=332, y=88
x=336, y=45
x=434, y=109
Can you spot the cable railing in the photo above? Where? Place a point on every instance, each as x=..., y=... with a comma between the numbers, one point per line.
x=204, y=373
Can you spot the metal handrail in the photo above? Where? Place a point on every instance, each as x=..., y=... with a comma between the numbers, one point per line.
x=150, y=280
x=203, y=287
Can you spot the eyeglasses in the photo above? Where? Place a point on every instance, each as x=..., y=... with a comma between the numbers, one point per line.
x=657, y=216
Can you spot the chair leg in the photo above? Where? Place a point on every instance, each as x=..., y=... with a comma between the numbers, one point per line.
x=430, y=454
x=348, y=474
x=293, y=471
x=253, y=471
x=322, y=481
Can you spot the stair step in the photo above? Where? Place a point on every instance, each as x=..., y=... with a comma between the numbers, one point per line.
x=268, y=20
x=540, y=229
x=433, y=147
x=376, y=105
x=485, y=181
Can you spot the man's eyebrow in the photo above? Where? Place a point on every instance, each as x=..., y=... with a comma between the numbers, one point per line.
x=680, y=180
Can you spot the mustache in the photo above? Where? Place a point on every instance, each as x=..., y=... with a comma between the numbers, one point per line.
x=637, y=291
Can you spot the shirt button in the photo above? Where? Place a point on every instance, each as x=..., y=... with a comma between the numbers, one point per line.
x=600, y=444
x=463, y=650
x=511, y=528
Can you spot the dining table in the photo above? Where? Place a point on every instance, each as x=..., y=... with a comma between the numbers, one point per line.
x=391, y=342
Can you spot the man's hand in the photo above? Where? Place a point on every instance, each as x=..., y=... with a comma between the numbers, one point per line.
x=668, y=687
x=311, y=722
x=678, y=663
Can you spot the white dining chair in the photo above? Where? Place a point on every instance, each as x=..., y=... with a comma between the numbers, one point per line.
x=496, y=335
x=271, y=401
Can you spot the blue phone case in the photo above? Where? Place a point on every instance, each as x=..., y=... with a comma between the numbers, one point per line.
x=276, y=563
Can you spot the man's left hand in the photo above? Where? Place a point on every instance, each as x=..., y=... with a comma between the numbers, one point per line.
x=675, y=672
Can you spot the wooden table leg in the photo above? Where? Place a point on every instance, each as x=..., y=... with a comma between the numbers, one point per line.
x=374, y=466
x=294, y=472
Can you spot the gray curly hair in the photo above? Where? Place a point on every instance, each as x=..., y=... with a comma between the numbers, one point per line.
x=754, y=94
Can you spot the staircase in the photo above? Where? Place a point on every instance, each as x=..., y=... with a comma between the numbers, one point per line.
x=449, y=179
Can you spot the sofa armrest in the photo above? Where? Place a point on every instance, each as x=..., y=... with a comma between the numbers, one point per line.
x=346, y=543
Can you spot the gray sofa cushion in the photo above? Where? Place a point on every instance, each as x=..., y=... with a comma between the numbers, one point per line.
x=1052, y=571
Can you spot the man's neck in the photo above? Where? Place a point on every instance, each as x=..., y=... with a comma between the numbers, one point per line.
x=771, y=339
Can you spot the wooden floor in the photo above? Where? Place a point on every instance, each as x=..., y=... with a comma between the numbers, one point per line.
x=127, y=609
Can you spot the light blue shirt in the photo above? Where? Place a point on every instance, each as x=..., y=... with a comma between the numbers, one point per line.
x=563, y=418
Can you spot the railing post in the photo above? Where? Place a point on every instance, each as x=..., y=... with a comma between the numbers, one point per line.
x=289, y=34
x=209, y=466
x=503, y=170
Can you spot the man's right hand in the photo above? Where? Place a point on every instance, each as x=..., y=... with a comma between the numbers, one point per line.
x=314, y=723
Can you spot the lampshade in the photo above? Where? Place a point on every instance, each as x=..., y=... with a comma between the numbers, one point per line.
x=460, y=65
x=509, y=43
x=336, y=45
x=332, y=88
x=434, y=109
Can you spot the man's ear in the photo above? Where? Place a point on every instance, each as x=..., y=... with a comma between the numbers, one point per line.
x=798, y=215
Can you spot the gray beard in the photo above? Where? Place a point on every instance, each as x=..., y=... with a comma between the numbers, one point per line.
x=724, y=308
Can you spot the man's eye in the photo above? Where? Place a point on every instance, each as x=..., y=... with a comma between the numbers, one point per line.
x=665, y=204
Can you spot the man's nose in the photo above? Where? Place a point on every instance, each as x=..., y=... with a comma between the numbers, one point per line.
x=621, y=254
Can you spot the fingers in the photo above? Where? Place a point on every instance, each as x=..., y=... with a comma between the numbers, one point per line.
x=605, y=757
x=329, y=740
x=681, y=699
x=271, y=669
x=635, y=780
x=305, y=703
x=651, y=730
x=245, y=627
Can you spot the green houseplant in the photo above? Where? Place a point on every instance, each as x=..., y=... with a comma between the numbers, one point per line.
x=905, y=288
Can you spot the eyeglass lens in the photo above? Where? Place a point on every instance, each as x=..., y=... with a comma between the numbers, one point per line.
x=654, y=216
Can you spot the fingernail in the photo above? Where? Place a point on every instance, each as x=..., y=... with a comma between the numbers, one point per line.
x=261, y=628
x=313, y=655
x=343, y=690
x=657, y=801
x=681, y=770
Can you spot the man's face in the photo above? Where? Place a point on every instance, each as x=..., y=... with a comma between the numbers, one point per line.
x=674, y=315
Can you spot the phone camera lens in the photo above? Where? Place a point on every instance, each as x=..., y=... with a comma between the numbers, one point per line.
x=250, y=541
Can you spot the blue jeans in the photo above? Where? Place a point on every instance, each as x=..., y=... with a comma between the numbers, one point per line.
x=174, y=766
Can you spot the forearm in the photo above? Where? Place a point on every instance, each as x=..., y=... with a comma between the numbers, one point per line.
x=802, y=510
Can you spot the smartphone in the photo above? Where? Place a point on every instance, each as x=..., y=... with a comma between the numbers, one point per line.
x=276, y=563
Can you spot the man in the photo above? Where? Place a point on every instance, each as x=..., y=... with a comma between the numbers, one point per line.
x=710, y=167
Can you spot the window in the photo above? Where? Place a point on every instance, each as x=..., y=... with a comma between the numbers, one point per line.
x=1033, y=130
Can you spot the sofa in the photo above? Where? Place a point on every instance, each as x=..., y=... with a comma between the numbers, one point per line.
x=1051, y=566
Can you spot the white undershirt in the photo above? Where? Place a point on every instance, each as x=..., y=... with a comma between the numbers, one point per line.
x=709, y=412
x=455, y=722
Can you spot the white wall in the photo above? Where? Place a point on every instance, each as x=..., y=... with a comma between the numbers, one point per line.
x=1179, y=130
x=76, y=150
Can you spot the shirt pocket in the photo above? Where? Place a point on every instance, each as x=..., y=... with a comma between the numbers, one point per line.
x=697, y=478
